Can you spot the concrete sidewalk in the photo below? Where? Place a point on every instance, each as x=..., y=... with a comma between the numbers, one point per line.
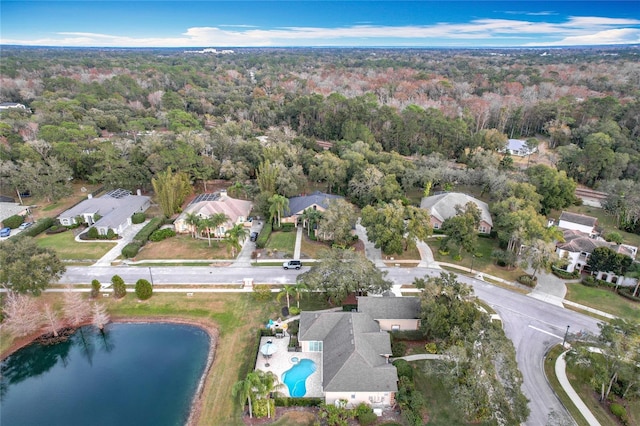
x=561, y=374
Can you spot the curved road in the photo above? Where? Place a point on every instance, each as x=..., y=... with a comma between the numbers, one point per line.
x=533, y=325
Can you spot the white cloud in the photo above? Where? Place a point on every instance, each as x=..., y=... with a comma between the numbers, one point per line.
x=507, y=32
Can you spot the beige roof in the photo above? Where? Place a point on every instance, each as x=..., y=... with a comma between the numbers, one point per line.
x=232, y=207
x=443, y=206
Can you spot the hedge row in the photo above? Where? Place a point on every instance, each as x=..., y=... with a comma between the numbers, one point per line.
x=627, y=293
x=143, y=235
x=298, y=402
x=527, y=280
x=590, y=281
x=561, y=273
x=261, y=242
x=13, y=221
x=162, y=234
x=130, y=250
x=38, y=227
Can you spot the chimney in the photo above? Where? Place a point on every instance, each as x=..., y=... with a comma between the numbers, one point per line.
x=90, y=196
x=139, y=192
x=223, y=194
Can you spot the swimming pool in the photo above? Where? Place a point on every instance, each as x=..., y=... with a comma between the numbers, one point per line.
x=296, y=376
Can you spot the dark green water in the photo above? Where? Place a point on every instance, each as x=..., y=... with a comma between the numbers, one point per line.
x=134, y=374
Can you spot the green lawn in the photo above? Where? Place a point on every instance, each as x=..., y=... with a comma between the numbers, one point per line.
x=604, y=300
x=550, y=372
x=68, y=249
x=284, y=242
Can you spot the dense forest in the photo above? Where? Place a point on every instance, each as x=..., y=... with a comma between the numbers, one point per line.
x=393, y=120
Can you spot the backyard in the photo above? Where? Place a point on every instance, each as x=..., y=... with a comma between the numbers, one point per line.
x=68, y=249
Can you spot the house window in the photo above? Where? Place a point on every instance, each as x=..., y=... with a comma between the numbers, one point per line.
x=315, y=346
x=436, y=225
x=482, y=229
x=353, y=396
x=65, y=221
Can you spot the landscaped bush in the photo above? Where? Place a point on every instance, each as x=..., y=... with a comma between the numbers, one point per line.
x=404, y=368
x=130, y=250
x=298, y=402
x=261, y=242
x=13, y=221
x=398, y=348
x=365, y=415
x=561, y=273
x=619, y=411
x=627, y=293
x=38, y=227
x=55, y=229
x=294, y=310
x=111, y=234
x=95, y=289
x=287, y=227
x=93, y=233
x=119, y=287
x=162, y=234
x=589, y=281
x=294, y=326
x=144, y=290
x=260, y=407
x=138, y=217
x=527, y=280
x=143, y=235
x=262, y=292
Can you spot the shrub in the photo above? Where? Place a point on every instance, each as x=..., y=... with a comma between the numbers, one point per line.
x=262, y=292
x=111, y=234
x=143, y=289
x=92, y=233
x=13, y=221
x=298, y=402
x=398, y=348
x=162, y=234
x=95, y=289
x=287, y=227
x=56, y=230
x=404, y=368
x=619, y=411
x=138, y=217
x=561, y=273
x=143, y=235
x=130, y=250
x=613, y=236
x=627, y=293
x=261, y=242
x=431, y=348
x=260, y=407
x=294, y=310
x=119, y=287
x=38, y=227
x=589, y=281
x=367, y=418
x=527, y=280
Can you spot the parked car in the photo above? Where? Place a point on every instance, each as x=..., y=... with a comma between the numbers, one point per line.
x=253, y=236
x=25, y=225
x=5, y=232
x=291, y=264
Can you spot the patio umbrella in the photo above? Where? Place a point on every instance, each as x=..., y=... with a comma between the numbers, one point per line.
x=268, y=349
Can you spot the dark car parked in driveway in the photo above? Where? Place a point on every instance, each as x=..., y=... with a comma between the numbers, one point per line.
x=253, y=236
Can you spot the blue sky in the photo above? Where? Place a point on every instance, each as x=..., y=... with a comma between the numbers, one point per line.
x=445, y=23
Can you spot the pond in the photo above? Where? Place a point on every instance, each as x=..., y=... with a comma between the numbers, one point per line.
x=133, y=374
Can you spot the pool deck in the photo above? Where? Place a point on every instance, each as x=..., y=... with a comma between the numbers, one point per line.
x=280, y=362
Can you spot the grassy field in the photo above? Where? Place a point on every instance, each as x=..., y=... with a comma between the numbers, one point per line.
x=68, y=249
x=604, y=300
x=184, y=247
x=283, y=242
x=311, y=249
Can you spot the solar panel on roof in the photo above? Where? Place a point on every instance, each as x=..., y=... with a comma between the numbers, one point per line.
x=205, y=197
x=118, y=193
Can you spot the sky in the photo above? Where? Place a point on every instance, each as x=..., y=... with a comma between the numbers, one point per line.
x=240, y=23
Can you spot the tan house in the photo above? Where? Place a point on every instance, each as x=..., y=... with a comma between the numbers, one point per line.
x=443, y=206
x=392, y=313
x=206, y=205
x=355, y=357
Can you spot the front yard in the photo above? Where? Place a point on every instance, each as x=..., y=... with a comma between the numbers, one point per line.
x=604, y=300
x=68, y=249
x=184, y=247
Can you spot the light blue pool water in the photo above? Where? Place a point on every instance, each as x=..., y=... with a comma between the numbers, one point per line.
x=296, y=377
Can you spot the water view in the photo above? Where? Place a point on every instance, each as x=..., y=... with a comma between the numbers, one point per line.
x=134, y=374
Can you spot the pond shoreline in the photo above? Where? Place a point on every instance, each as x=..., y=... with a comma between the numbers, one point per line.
x=210, y=328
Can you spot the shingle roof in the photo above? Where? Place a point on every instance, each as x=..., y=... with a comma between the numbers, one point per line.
x=114, y=211
x=390, y=307
x=298, y=204
x=516, y=144
x=580, y=219
x=577, y=242
x=232, y=207
x=354, y=350
x=443, y=206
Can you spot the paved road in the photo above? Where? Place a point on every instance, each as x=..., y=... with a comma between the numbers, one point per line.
x=533, y=325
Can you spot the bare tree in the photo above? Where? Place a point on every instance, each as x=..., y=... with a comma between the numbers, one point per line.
x=22, y=315
x=100, y=317
x=75, y=307
x=51, y=319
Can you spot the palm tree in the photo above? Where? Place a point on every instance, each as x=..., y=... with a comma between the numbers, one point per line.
x=299, y=289
x=268, y=383
x=193, y=220
x=234, y=236
x=245, y=389
x=286, y=291
x=211, y=223
x=311, y=217
x=278, y=204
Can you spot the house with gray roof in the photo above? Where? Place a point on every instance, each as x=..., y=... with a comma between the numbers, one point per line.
x=518, y=147
x=392, y=313
x=578, y=246
x=112, y=211
x=443, y=206
x=316, y=201
x=355, y=357
x=578, y=222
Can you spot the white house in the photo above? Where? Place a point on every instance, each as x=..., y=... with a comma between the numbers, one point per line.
x=578, y=222
x=392, y=313
x=355, y=357
x=112, y=211
x=13, y=105
x=443, y=206
x=518, y=147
